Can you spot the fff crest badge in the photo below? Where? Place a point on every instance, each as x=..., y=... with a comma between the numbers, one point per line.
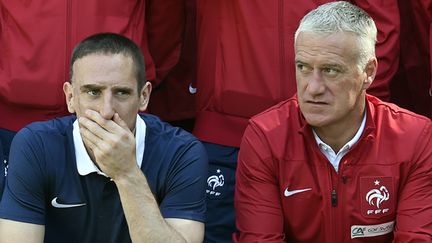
x=377, y=196
x=220, y=182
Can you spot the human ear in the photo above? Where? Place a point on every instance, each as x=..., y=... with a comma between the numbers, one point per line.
x=370, y=70
x=68, y=91
x=145, y=96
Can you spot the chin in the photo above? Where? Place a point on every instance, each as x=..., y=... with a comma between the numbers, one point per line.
x=316, y=120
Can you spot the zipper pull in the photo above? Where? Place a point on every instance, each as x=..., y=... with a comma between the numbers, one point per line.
x=334, y=198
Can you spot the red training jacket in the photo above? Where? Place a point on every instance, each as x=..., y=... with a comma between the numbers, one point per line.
x=287, y=190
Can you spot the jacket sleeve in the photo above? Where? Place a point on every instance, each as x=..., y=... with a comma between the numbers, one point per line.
x=414, y=212
x=172, y=45
x=386, y=16
x=259, y=215
x=165, y=24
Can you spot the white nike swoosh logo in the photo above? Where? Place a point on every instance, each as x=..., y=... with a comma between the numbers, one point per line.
x=192, y=90
x=290, y=193
x=56, y=204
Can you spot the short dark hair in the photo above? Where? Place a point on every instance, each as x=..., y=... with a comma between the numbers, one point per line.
x=111, y=43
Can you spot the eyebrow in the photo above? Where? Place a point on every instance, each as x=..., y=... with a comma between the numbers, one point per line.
x=101, y=87
x=124, y=89
x=331, y=65
x=339, y=67
x=325, y=65
x=92, y=87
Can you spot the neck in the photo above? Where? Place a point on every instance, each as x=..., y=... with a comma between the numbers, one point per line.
x=337, y=135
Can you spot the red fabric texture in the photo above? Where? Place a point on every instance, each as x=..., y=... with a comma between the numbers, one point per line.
x=411, y=88
x=172, y=44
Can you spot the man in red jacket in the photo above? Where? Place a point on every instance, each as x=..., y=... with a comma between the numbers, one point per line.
x=333, y=164
x=245, y=65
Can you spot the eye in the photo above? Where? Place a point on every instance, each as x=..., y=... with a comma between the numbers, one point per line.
x=302, y=67
x=122, y=93
x=93, y=92
x=331, y=71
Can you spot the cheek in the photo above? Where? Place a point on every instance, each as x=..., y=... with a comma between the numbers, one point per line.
x=81, y=105
x=300, y=82
x=355, y=89
x=346, y=98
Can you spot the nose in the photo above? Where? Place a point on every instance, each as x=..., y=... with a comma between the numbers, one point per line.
x=316, y=84
x=107, y=107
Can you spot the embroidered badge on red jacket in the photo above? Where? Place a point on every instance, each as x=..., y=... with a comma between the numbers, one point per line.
x=377, y=196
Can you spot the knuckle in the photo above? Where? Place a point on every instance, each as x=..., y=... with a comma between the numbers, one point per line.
x=117, y=140
x=103, y=122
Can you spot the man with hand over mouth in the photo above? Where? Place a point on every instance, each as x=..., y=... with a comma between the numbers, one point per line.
x=108, y=174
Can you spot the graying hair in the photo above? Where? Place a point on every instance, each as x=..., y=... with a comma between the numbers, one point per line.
x=342, y=16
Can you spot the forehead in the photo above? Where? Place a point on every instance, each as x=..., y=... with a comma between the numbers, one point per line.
x=105, y=69
x=340, y=47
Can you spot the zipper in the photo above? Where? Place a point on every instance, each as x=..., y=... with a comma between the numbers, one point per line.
x=334, y=198
x=338, y=202
x=337, y=180
x=333, y=204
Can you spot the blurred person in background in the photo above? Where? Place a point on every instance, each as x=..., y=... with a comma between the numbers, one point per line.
x=172, y=45
x=412, y=86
